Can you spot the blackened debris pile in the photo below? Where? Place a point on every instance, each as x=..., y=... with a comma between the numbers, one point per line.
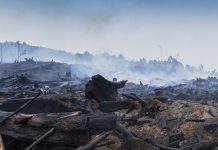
x=202, y=90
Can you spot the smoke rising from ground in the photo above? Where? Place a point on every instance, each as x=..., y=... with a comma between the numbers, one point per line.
x=85, y=65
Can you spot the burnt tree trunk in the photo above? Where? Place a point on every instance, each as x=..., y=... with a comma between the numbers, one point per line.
x=100, y=89
x=69, y=131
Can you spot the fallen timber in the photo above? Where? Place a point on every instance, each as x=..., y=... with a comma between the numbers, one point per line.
x=21, y=107
x=47, y=134
x=65, y=127
x=119, y=122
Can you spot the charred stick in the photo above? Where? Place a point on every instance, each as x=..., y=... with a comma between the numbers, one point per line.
x=138, y=98
x=71, y=115
x=204, y=146
x=130, y=109
x=106, y=144
x=21, y=107
x=127, y=111
x=93, y=143
x=123, y=131
x=47, y=134
x=133, y=98
x=163, y=147
x=171, y=119
x=195, y=120
x=164, y=109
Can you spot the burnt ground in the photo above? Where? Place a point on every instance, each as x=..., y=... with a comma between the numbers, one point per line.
x=182, y=116
x=201, y=90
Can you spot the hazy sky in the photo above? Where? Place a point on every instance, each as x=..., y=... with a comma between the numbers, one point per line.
x=187, y=29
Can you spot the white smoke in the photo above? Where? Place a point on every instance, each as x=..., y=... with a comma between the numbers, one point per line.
x=86, y=65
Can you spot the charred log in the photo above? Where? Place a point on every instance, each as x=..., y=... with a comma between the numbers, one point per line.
x=74, y=126
x=111, y=106
x=59, y=121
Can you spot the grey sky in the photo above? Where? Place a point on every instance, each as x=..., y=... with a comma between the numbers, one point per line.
x=184, y=28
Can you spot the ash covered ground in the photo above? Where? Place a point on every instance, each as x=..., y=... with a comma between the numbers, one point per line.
x=53, y=105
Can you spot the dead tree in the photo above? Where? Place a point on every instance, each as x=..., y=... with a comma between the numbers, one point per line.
x=100, y=89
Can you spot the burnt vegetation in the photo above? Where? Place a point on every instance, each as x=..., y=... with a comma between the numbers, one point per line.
x=44, y=105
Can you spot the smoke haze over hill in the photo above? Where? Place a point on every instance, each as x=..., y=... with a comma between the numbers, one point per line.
x=86, y=64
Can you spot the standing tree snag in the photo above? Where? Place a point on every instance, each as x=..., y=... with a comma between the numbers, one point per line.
x=101, y=89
